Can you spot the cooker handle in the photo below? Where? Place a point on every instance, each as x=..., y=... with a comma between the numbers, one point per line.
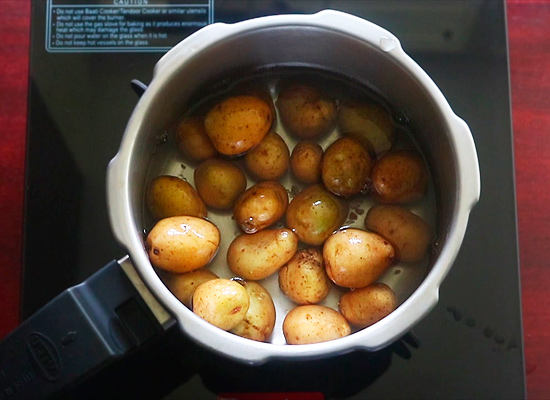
x=82, y=330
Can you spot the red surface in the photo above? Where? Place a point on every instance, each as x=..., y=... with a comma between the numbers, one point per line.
x=529, y=41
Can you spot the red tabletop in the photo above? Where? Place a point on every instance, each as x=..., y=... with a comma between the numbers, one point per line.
x=529, y=45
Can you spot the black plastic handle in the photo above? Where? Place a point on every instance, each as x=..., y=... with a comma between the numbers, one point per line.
x=82, y=330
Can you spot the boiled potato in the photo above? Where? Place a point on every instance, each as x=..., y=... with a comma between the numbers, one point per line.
x=366, y=306
x=261, y=254
x=222, y=302
x=315, y=213
x=305, y=161
x=260, y=206
x=305, y=111
x=314, y=324
x=193, y=141
x=355, y=258
x=269, y=160
x=399, y=177
x=259, y=321
x=409, y=233
x=182, y=244
x=304, y=279
x=238, y=123
x=169, y=196
x=219, y=182
x=367, y=122
x=183, y=285
x=346, y=167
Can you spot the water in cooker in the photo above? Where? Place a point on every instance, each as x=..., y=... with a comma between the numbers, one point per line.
x=403, y=278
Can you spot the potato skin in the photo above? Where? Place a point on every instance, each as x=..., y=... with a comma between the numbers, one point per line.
x=259, y=321
x=183, y=285
x=399, y=177
x=355, y=258
x=304, y=279
x=346, y=167
x=219, y=183
x=270, y=159
x=366, y=306
x=305, y=111
x=368, y=123
x=192, y=140
x=170, y=196
x=315, y=213
x=238, y=123
x=305, y=161
x=261, y=254
x=222, y=302
x=314, y=324
x=260, y=206
x=408, y=233
x=182, y=244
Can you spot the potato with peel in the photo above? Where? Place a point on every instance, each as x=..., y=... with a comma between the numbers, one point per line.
x=260, y=206
x=222, y=302
x=408, y=232
x=259, y=321
x=219, y=182
x=355, y=258
x=193, y=141
x=399, y=177
x=183, y=285
x=170, y=196
x=346, y=167
x=304, y=279
x=269, y=160
x=314, y=324
x=305, y=111
x=261, y=254
x=315, y=213
x=182, y=244
x=238, y=123
x=305, y=161
x=369, y=123
x=366, y=306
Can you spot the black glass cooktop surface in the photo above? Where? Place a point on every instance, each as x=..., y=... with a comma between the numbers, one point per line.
x=85, y=53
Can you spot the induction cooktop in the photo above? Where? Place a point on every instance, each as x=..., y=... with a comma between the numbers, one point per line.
x=85, y=53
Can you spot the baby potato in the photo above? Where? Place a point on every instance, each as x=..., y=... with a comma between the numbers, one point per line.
x=408, y=233
x=314, y=213
x=182, y=244
x=261, y=254
x=305, y=111
x=366, y=306
x=355, y=258
x=219, y=182
x=346, y=167
x=368, y=123
x=259, y=321
x=399, y=177
x=314, y=324
x=193, y=141
x=222, y=302
x=305, y=161
x=260, y=206
x=169, y=196
x=183, y=285
x=238, y=123
x=269, y=160
x=304, y=279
